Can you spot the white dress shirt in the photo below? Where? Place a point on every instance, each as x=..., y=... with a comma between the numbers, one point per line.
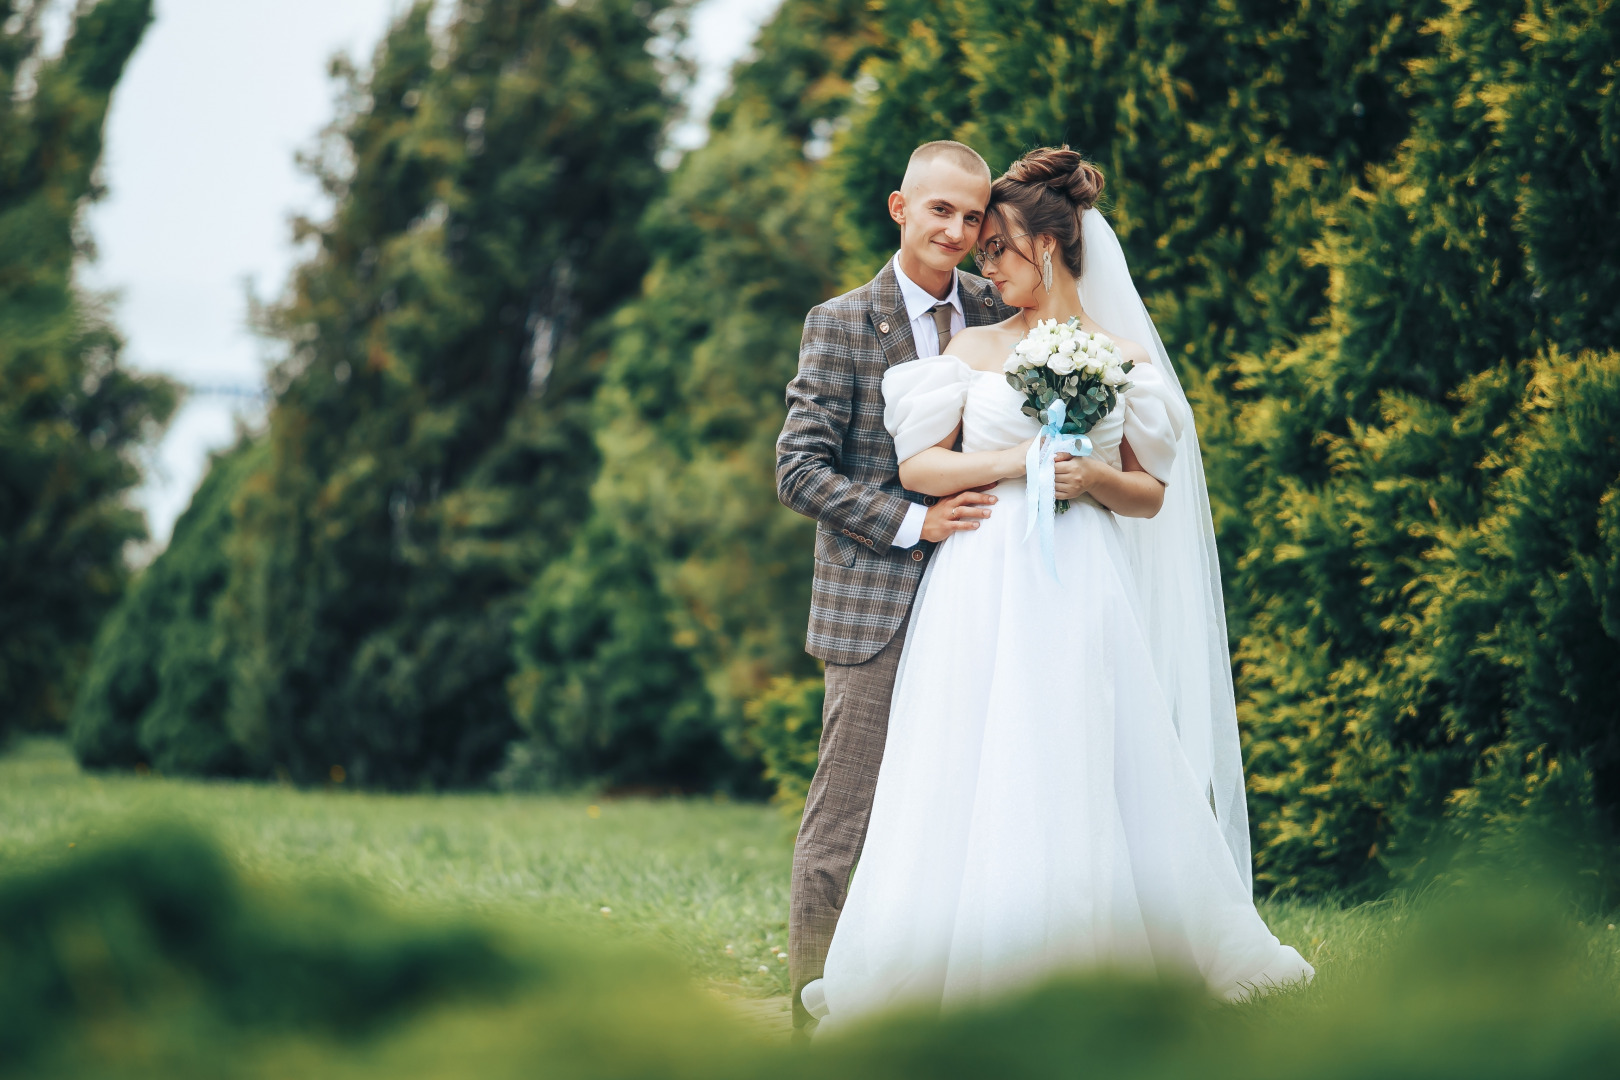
x=919, y=306
x=919, y=303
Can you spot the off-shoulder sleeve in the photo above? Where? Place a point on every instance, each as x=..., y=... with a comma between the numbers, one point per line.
x=1154, y=417
x=922, y=402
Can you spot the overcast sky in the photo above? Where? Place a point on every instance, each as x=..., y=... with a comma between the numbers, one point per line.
x=202, y=183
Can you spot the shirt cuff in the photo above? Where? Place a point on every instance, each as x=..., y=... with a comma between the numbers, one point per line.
x=911, y=528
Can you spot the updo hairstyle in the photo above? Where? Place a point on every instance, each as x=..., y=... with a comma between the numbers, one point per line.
x=1048, y=189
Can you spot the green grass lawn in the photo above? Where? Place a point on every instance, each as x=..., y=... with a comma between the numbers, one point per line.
x=702, y=880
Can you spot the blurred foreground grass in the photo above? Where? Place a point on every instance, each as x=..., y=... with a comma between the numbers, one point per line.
x=234, y=942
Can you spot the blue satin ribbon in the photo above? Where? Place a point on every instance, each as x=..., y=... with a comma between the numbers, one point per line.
x=1040, y=478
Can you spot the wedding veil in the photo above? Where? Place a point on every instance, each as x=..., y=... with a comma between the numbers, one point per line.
x=1178, y=573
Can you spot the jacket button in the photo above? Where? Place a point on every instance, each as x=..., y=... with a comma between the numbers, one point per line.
x=988, y=302
x=929, y=500
x=883, y=327
x=916, y=555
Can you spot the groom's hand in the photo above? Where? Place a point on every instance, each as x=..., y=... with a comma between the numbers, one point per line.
x=956, y=514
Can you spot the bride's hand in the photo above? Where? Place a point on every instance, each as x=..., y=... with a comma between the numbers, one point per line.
x=1075, y=475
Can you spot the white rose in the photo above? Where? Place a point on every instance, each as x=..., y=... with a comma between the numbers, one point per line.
x=1113, y=375
x=1068, y=348
x=1012, y=364
x=1062, y=363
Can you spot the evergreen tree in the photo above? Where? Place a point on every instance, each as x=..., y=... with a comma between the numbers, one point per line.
x=691, y=587
x=71, y=417
x=428, y=448
x=158, y=686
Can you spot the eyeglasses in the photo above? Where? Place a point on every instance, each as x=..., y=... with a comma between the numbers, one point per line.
x=993, y=249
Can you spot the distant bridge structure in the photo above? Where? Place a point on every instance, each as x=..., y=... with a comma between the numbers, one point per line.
x=242, y=391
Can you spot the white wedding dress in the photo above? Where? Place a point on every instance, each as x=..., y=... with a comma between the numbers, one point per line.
x=1037, y=811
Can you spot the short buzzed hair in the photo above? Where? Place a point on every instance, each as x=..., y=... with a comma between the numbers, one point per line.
x=961, y=155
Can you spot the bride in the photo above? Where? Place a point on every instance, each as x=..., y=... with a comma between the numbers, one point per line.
x=1061, y=787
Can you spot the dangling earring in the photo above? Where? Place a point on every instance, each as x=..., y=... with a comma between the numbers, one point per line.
x=1046, y=270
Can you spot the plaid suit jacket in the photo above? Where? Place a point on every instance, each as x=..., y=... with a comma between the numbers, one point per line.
x=835, y=462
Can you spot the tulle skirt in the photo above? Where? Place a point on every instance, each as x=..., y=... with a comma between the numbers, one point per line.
x=1034, y=813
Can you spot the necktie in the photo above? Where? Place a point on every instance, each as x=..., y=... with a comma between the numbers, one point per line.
x=942, y=322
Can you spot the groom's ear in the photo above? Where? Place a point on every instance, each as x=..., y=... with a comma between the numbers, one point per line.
x=897, y=208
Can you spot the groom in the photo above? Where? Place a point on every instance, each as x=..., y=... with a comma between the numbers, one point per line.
x=835, y=462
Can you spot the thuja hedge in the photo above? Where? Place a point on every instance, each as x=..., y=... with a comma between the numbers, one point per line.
x=1379, y=239
x=73, y=417
x=429, y=447
x=1431, y=470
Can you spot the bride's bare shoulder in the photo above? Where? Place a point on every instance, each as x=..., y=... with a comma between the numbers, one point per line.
x=985, y=346
x=1133, y=352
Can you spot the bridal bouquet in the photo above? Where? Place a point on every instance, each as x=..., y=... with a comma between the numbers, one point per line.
x=1070, y=379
